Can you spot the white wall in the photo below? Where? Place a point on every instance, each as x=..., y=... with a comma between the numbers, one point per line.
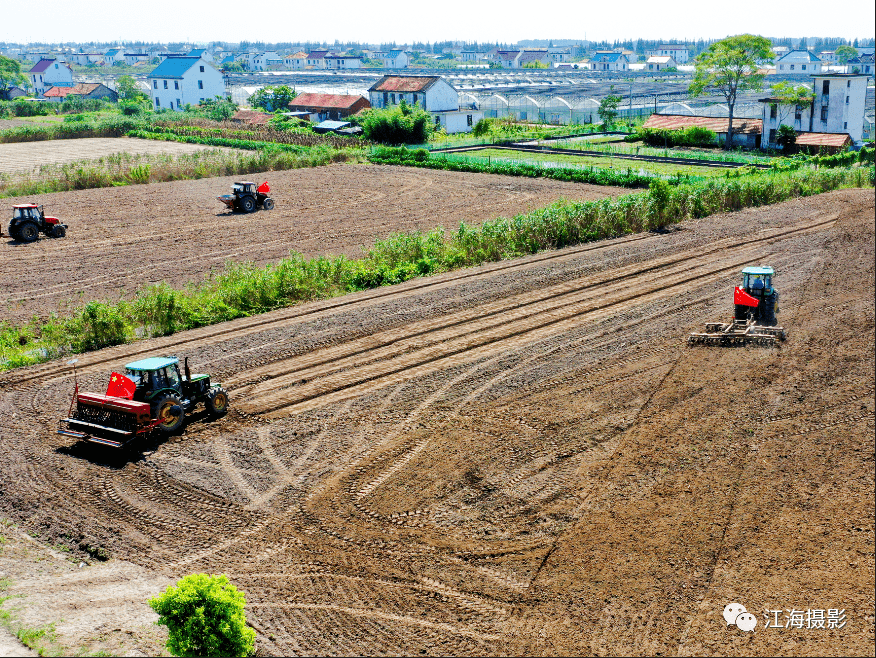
x=187, y=90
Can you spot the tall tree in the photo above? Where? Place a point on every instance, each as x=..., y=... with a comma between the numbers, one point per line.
x=845, y=53
x=731, y=66
x=10, y=75
x=788, y=96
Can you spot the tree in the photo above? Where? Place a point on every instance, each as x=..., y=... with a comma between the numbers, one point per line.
x=204, y=617
x=403, y=124
x=608, y=109
x=787, y=96
x=786, y=137
x=127, y=89
x=272, y=99
x=845, y=53
x=10, y=75
x=731, y=66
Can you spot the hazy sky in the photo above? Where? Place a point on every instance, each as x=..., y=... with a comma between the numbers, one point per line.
x=392, y=20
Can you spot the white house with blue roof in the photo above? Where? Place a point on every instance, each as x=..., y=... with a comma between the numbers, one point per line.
x=203, y=53
x=181, y=81
x=609, y=62
x=800, y=62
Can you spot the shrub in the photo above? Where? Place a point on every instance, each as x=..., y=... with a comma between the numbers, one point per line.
x=403, y=124
x=204, y=617
x=693, y=136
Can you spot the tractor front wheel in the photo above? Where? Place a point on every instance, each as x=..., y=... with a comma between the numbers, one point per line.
x=217, y=402
x=268, y=204
x=58, y=231
x=172, y=419
x=28, y=232
x=247, y=204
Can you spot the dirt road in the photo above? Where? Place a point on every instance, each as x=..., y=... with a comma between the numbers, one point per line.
x=519, y=458
x=123, y=238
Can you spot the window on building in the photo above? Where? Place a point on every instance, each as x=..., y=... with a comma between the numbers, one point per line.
x=157, y=102
x=178, y=104
x=847, y=100
x=792, y=67
x=155, y=84
x=845, y=125
x=437, y=120
x=200, y=84
x=176, y=84
x=202, y=69
x=824, y=114
x=773, y=110
x=392, y=98
x=848, y=83
x=468, y=119
x=772, y=137
x=825, y=88
x=165, y=84
x=803, y=67
x=798, y=113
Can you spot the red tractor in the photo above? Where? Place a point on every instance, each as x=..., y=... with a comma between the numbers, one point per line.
x=28, y=221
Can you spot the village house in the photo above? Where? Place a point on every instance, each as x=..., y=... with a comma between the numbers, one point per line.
x=609, y=61
x=322, y=107
x=396, y=59
x=679, y=52
x=800, y=62
x=181, y=81
x=83, y=89
x=837, y=109
x=316, y=59
x=532, y=58
x=132, y=59
x=341, y=62
x=50, y=73
x=432, y=93
x=84, y=59
x=113, y=55
x=862, y=64
x=203, y=53
x=295, y=61
x=660, y=62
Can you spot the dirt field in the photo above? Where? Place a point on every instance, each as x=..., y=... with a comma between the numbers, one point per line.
x=521, y=458
x=120, y=238
x=27, y=156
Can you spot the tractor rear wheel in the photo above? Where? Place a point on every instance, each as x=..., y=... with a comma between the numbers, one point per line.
x=28, y=232
x=247, y=204
x=217, y=402
x=58, y=231
x=268, y=204
x=164, y=410
x=12, y=230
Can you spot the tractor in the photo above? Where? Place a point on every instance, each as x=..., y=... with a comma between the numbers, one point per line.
x=246, y=197
x=29, y=220
x=756, y=303
x=152, y=395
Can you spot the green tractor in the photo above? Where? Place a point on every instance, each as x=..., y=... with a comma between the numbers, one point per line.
x=152, y=395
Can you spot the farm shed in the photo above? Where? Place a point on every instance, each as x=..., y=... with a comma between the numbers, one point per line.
x=83, y=89
x=251, y=117
x=823, y=142
x=329, y=106
x=746, y=132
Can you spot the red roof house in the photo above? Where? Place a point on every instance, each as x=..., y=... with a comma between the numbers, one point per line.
x=329, y=106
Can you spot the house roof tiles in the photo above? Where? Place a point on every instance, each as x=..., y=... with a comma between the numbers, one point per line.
x=405, y=83
x=823, y=139
x=174, y=67
x=333, y=101
x=81, y=89
x=41, y=66
x=715, y=124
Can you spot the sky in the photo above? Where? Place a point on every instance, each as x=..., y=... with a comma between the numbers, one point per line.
x=273, y=21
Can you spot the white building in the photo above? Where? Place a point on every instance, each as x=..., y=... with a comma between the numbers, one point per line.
x=50, y=73
x=799, y=62
x=432, y=93
x=396, y=59
x=295, y=61
x=181, y=81
x=113, y=55
x=338, y=62
x=660, y=62
x=609, y=61
x=838, y=108
x=679, y=52
x=133, y=58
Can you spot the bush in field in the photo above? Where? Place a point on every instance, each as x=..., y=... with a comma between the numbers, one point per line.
x=786, y=137
x=204, y=617
x=693, y=136
x=403, y=124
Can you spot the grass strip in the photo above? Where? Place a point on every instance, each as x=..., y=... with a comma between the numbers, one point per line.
x=244, y=289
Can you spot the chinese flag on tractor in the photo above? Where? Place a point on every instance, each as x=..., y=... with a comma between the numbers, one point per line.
x=742, y=298
x=264, y=188
x=121, y=387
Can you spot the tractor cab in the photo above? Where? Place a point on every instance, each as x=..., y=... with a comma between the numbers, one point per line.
x=27, y=211
x=758, y=281
x=244, y=187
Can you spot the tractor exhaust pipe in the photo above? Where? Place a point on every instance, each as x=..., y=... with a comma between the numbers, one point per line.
x=188, y=372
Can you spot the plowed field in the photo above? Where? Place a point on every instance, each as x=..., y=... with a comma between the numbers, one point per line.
x=122, y=238
x=519, y=458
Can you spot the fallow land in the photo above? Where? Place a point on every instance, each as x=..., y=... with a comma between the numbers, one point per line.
x=523, y=457
x=125, y=237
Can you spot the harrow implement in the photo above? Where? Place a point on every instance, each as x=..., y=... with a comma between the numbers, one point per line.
x=738, y=333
